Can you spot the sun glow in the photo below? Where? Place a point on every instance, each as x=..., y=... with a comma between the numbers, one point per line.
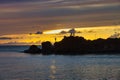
x=55, y=31
x=88, y=33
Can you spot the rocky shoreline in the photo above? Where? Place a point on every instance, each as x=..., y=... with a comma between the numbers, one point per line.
x=74, y=45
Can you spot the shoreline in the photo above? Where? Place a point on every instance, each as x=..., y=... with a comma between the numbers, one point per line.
x=74, y=45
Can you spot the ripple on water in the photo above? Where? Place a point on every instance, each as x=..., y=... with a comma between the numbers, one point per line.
x=19, y=66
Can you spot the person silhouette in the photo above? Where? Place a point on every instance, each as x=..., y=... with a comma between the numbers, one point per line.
x=72, y=32
x=55, y=39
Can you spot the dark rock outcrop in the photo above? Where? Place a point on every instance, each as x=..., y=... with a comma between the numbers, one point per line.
x=70, y=45
x=78, y=46
x=33, y=50
x=74, y=45
x=47, y=48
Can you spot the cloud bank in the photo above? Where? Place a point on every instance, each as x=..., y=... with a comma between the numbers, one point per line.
x=25, y=16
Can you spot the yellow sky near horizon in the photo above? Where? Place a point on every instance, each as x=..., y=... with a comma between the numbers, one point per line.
x=29, y=39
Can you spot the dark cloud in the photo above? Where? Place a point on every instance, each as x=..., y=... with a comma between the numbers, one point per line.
x=70, y=11
x=39, y=32
x=16, y=1
x=5, y=38
x=61, y=11
x=90, y=31
x=9, y=38
x=63, y=32
x=21, y=15
x=64, y=1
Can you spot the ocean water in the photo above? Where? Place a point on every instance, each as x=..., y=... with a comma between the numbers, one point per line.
x=15, y=65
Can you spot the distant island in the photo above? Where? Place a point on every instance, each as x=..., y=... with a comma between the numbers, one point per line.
x=74, y=45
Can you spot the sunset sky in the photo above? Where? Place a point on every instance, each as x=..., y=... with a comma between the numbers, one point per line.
x=21, y=17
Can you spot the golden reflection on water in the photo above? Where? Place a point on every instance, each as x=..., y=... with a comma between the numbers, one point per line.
x=53, y=70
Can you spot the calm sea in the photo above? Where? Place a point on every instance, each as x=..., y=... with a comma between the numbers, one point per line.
x=15, y=65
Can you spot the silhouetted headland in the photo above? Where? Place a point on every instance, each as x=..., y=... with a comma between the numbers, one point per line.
x=74, y=45
x=33, y=50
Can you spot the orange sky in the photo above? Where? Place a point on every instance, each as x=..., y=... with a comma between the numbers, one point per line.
x=33, y=38
x=18, y=18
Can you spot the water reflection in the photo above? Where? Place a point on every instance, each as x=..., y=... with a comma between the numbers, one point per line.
x=12, y=55
x=93, y=67
x=53, y=70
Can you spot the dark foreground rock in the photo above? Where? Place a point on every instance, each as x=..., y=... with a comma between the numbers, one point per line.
x=47, y=48
x=78, y=46
x=33, y=50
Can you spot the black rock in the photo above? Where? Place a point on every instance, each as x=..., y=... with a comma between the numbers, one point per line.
x=47, y=47
x=75, y=45
x=33, y=49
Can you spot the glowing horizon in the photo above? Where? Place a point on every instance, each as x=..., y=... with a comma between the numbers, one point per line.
x=29, y=39
x=57, y=31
